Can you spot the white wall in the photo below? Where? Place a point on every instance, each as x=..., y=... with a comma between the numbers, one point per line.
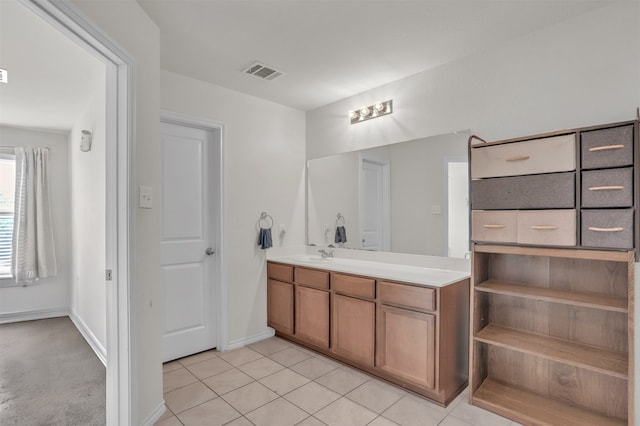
x=580, y=72
x=264, y=171
x=87, y=188
x=131, y=28
x=48, y=296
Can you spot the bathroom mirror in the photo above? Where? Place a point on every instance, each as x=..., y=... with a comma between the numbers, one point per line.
x=409, y=197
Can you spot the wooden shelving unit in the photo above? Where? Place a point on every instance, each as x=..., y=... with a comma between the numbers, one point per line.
x=552, y=334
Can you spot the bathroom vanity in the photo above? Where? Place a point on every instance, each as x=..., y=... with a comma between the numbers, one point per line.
x=405, y=324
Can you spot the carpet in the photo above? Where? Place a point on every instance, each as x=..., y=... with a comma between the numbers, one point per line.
x=49, y=375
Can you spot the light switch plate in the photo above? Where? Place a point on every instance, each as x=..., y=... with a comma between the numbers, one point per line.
x=146, y=197
x=435, y=209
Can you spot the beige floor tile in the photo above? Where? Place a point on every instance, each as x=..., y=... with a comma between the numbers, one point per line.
x=270, y=346
x=284, y=381
x=411, y=410
x=311, y=421
x=312, y=397
x=188, y=396
x=382, y=421
x=345, y=412
x=169, y=421
x=477, y=416
x=202, y=356
x=313, y=367
x=240, y=356
x=176, y=379
x=277, y=413
x=261, y=368
x=228, y=381
x=240, y=421
x=209, y=368
x=453, y=421
x=170, y=366
x=376, y=395
x=167, y=413
x=249, y=397
x=342, y=380
x=213, y=413
x=290, y=356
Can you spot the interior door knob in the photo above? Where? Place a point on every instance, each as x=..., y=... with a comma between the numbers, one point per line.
x=209, y=251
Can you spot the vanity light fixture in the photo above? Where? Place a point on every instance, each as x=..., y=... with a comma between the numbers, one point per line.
x=4, y=76
x=378, y=109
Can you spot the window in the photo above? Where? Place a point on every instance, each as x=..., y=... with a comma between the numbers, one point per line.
x=7, y=192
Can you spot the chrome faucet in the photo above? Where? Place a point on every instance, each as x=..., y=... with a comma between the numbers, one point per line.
x=325, y=253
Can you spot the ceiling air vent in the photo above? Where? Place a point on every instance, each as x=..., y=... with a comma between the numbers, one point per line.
x=263, y=71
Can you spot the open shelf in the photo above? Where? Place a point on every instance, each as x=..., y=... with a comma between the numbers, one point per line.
x=588, y=300
x=569, y=253
x=528, y=407
x=584, y=356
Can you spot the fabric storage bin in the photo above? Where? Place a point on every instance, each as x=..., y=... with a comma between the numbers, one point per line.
x=523, y=158
x=547, y=227
x=604, y=148
x=548, y=191
x=494, y=226
x=608, y=188
x=607, y=228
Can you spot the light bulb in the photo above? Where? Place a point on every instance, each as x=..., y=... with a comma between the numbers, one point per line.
x=352, y=114
x=378, y=106
x=364, y=112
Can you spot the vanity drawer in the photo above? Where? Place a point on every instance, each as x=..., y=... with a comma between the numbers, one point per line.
x=312, y=278
x=607, y=228
x=608, y=188
x=354, y=286
x=524, y=158
x=280, y=272
x=549, y=228
x=555, y=190
x=409, y=296
x=495, y=226
x=607, y=147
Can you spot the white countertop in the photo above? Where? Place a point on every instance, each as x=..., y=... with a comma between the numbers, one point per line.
x=431, y=277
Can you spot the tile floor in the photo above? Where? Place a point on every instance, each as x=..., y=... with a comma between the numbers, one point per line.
x=276, y=383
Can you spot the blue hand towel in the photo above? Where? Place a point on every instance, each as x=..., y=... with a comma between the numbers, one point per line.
x=341, y=235
x=264, y=238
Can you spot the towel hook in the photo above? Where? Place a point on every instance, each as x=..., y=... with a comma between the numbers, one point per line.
x=264, y=216
x=340, y=221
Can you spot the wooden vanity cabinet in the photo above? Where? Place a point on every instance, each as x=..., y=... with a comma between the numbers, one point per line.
x=409, y=334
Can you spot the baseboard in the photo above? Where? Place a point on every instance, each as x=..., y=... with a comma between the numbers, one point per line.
x=33, y=315
x=235, y=344
x=155, y=415
x=91, y=339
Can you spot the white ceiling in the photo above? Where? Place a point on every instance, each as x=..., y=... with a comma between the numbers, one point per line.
x=330, y=50
x=51, y=79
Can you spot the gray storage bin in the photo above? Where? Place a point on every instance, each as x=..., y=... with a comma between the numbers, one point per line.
x=611, y=147
x=607, y=228
x=545, y=191
x=608, y=188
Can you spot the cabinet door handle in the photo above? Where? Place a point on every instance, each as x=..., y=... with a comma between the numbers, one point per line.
x=605, y=188
x=605, y=147
x=617, y=229
x=518, y=158
x=544, y=227
x=495, y=226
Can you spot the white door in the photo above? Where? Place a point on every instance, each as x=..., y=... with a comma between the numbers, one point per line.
x=187, y=252
x=458, y=209
x=374, y=206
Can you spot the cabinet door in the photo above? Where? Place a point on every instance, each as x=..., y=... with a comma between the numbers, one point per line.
x=406, y=345
x=312, y=316
x=353, y=329
x=280, y=306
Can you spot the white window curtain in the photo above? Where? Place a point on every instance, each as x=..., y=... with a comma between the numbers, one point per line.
x=33, y=254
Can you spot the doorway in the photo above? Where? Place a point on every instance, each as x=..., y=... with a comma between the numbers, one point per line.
x=374, y=205
x=458, y=209
x=191, y=240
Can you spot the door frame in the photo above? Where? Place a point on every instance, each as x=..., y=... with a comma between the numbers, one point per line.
x=219, y=278
x=121, y=345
